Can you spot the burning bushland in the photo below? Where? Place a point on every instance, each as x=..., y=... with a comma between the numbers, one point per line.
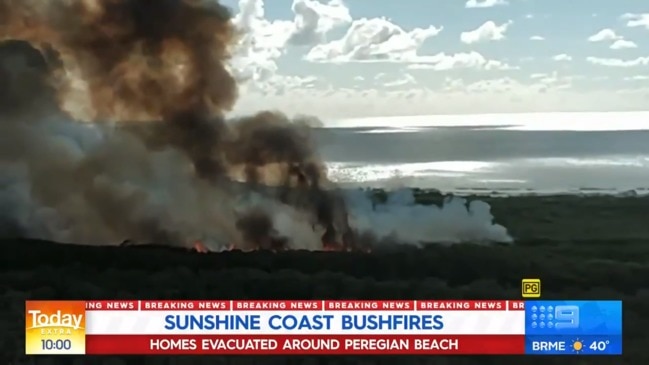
x=112, y=118
x=157, y=69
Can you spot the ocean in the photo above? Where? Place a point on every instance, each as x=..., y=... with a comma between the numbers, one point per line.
x=509, y=153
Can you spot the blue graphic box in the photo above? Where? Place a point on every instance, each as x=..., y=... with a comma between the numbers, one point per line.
x=573, y=317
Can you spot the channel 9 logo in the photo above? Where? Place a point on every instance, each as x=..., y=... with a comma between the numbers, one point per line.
x=55, y=327
x=559, y=317
x=531, y=288
x=566, y=316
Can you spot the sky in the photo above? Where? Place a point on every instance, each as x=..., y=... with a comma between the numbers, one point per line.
x=338, y=59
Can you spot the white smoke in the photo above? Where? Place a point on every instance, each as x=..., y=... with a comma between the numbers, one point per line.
x=401, y=219
x=41, y=196
x=287, y=221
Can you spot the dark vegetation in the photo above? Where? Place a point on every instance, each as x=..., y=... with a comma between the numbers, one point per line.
x=582, y=248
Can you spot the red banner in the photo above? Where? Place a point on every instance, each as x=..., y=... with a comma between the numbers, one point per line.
x=305, y=344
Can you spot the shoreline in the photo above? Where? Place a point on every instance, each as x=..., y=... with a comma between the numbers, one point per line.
x=506, y=192
x=562, y=218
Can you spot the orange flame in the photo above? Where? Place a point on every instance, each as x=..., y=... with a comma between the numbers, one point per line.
x=200, y=247
x=335, y=247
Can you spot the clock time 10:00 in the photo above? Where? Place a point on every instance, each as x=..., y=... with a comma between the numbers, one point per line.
x=56, y=344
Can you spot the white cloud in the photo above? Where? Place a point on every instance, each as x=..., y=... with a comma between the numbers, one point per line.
x=600, y=78
x=510, y=86
x=292, y=82
x=497, y=95
x=473, y=60
x=264, y=41
x=261, y=44
x=501, y=85
x=616, y=62
x=403, y=80
x=380, y=76
x=278, y=84
x=608, y=34
x=366, y=40
x=556, y=81
x=375, y=39
x=637, y=78
x=562, y=57
x=488, y=31
x=473, y=4
x=313, y=20
x=623, y=44
x=604, y=35
x=636, y=20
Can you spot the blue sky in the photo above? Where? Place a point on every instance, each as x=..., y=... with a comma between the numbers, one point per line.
x=362, y=58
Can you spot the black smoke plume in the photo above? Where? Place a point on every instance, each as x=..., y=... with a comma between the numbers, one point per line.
x=112, y=119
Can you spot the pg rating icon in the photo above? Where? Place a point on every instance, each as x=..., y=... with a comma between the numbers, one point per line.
x=531, y=288
x=55, y=327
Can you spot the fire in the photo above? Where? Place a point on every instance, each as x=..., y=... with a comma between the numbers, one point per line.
x=278, y=244
x=333, y=247
x=200, y=247
x=337, y=247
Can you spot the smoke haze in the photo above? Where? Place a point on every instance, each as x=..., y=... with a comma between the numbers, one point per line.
x=113, y=128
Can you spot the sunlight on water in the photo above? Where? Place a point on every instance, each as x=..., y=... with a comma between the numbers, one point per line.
x=603, y=162
x=498, y=152
x=528, y=175
x=360, y=172
x=514, y=121
x=392, y=130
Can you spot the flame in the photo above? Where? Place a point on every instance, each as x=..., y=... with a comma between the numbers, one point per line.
x=331, y=247
x=200, y=247
x=337, y=247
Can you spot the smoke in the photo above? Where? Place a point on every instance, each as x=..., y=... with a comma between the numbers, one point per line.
x=113, y=128
x=400, y=219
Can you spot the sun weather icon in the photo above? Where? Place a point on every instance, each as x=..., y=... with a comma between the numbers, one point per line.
x=577, y=346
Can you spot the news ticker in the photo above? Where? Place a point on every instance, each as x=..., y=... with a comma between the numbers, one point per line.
x=395, y=327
